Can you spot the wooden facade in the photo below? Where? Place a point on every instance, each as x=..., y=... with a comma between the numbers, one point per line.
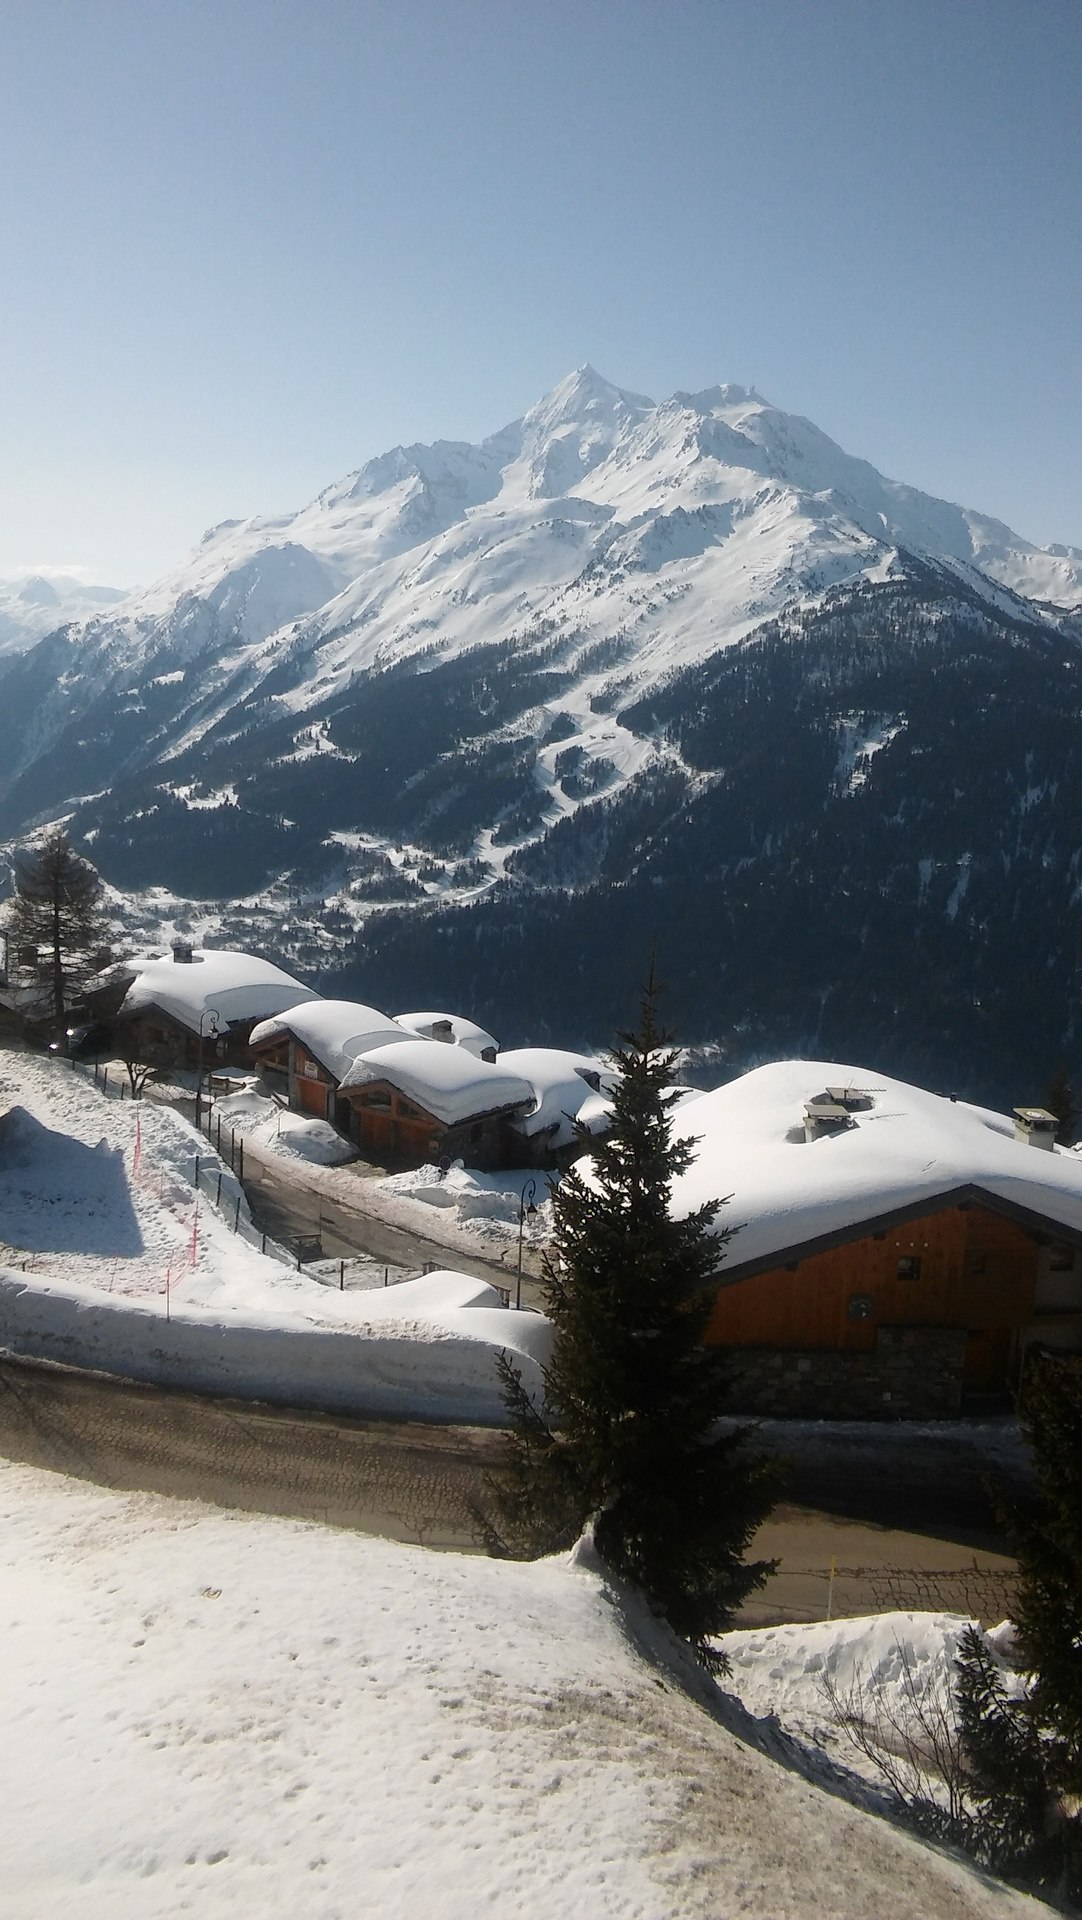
x=967, y=1266
x=311, y=1088
x=392, y=1129
x=158, y=1036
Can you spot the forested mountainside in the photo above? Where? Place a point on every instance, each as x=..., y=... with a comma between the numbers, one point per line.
x=859, y=836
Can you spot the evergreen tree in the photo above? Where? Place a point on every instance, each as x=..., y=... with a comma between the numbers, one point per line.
x=1060, y=1099
x=1025, y=1755
x=54, y=912
x=629, y=1435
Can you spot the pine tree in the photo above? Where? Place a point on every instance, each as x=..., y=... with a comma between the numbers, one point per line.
x=1025, y=1754
x=629, y=1435
x=54, y=912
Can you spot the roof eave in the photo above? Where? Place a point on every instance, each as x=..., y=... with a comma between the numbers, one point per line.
x=897, y=1217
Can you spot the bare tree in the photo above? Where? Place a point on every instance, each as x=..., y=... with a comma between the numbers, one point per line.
x=912, y=1741
x=141, y=1061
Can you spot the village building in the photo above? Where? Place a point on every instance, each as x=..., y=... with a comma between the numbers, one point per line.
x=570, y=1091
x=308, y=1050
x=451, y=1028
x=27, y=1014
x=194, y=1005
x=418, y=1101
x=895, y=1252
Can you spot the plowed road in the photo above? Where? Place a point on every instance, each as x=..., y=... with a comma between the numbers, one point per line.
x=415, y=1483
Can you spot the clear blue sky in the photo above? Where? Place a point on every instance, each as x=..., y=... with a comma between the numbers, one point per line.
x=248, y=243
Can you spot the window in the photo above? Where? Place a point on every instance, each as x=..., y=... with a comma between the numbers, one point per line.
x=861, y=1306
x=909, y=1266
x=1060, y=1258
x=377, y=1098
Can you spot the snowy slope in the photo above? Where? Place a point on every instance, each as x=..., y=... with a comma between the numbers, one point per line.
x=111, y=1258
x=230, y=1715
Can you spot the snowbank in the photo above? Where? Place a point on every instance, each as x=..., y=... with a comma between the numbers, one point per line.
x=113, y=1258
x=486, y=1202
x=889, y=1667
x=298, y=1136
x=406, y=1354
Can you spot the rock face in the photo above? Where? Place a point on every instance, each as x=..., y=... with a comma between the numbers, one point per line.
x=488, y=719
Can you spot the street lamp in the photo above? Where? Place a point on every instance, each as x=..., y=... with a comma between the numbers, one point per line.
x=525, y=1206
x=208, y=1033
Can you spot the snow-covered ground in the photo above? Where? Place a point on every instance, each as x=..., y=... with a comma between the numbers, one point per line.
x=110, y=1257
x=226, y=1714
x=488, y=1203
x=297, y=1136
x=891, y=1669
x=230, y=1715
x=461, y=1208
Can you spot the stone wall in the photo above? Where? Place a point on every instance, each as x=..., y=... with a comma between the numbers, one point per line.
x=912, y=1373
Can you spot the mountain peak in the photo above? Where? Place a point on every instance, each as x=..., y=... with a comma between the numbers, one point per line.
x=582, y=396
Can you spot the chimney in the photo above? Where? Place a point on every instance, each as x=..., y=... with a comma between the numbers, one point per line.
x=1035, y=1127
x=182, y=953
x=443, y=1030
x=824, y=1115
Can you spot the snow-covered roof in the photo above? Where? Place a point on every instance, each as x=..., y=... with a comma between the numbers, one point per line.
x=563, y=1084
x=28, y=1002
x=333, y=1031
x=464, y=1033
x=447, y=1082
x=236, y=986
x=902, y=1147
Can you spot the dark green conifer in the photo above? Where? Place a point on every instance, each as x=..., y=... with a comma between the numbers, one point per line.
x=630, y=1436
x=1024, y=1754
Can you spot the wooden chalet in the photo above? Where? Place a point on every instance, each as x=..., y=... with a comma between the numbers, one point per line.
x=901, y=1251
x=309, y=1050
x=201, y=1005
x=420, y=1101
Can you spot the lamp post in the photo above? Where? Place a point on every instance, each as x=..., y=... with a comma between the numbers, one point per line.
x=525, y=1206
x=208, y=1033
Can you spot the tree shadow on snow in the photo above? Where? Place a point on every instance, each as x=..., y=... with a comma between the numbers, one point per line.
x=59, y=1196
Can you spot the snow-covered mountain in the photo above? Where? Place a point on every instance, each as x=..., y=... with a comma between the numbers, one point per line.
x=457, y=676
x=662, y=532
x=34, y=604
